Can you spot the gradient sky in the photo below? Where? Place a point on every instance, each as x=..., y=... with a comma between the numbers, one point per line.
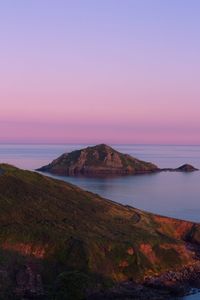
x=114, y=71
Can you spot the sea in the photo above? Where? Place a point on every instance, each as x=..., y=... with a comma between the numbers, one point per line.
x=173, y=194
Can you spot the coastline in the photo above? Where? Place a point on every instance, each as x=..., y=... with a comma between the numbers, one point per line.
x=147, y=289
x=169, y=285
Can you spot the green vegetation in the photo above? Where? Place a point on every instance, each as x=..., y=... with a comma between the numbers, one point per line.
x=100, y=159
x=70, y=236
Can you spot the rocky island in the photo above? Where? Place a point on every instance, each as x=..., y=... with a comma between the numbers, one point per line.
x=98, y=160
x=184, y=168
x=103, y=160
x=60, y=242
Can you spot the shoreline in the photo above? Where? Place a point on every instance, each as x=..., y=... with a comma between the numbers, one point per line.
x=169, y=285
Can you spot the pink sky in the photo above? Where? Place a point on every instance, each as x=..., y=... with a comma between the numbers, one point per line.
x=99, y=73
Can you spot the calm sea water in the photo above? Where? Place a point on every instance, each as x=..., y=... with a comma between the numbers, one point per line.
x=170, y=194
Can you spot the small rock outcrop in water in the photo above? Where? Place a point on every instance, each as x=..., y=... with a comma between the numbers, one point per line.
x=186, y=168
x=98, y=160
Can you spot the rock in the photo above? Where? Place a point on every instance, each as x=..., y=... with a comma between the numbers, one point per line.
x=102, y=160
x=186, y=168
x=98, y=160
x=28, y=282
x=183, y=168
x=134, y=291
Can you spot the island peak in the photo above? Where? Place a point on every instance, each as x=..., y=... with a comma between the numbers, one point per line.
x=98, y=160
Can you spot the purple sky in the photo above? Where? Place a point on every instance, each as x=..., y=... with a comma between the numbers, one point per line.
x=90, y=71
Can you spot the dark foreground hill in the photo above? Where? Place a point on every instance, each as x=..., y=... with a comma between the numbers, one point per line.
x=60, y=242
x=98, y=160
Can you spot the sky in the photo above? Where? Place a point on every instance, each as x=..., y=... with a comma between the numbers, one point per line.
x=112, y=71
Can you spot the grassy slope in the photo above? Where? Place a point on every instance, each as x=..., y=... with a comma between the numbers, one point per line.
x=66, y=228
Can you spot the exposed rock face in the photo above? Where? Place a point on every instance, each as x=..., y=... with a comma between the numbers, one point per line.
x=28, y=282
x=21, y=281
x=103, y=160
x=186, y=168
x=98, y=160
x=25, y=249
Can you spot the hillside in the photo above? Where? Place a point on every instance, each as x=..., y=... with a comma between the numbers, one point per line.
x=98, y=160
x=57, y=241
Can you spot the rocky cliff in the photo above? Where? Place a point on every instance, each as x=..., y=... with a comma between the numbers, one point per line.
x=60, y=242
x=103, y=160
x=98, y=160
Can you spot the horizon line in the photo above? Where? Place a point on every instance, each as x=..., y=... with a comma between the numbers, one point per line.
x=95, y=143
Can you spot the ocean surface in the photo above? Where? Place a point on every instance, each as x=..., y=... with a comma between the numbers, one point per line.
x=171, y=194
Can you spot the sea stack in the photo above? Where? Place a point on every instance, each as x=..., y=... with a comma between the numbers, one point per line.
x=186, y=168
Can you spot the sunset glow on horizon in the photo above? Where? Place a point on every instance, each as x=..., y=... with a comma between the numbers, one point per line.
x=100, y=71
